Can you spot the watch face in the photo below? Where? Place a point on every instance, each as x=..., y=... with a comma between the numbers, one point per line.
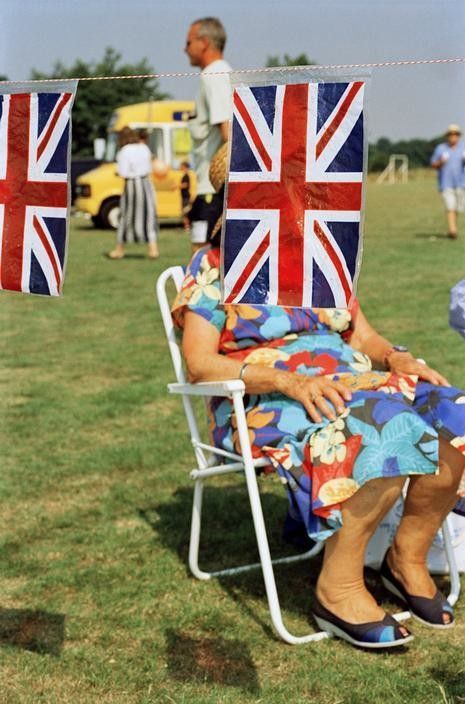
x=400, y=348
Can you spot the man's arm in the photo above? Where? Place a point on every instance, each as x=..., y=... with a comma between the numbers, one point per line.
x=438, y=163
x=439, y=158
x=224, y=129
x=218, y=96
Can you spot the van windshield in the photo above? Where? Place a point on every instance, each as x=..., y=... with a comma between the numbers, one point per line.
x=181, y=146
x=156, y=145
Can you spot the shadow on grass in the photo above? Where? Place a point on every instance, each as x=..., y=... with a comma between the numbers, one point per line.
x=210, y=660
x=430, y=236
x=450, y=681
x=127, y=255
x=84, y=225
x=228, y=540
x=38, y=631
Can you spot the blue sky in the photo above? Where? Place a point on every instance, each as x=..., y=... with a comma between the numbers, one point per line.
x=404, y=102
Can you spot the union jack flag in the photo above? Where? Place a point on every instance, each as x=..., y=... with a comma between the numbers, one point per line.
x=34, y=139
x=294, y=195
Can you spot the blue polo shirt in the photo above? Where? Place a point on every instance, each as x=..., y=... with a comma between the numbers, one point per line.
x=452, y=173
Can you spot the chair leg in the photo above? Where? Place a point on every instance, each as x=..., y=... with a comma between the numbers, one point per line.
x=194, y=541
x=260, y=532
x=454, y=575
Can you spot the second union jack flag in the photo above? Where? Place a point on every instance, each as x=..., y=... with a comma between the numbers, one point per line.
x=34, y=156
x=294, y=196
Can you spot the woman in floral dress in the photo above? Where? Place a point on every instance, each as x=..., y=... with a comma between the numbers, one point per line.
x=342, y=437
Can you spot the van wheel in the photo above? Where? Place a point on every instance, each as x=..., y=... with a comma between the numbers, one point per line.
x=109, y=214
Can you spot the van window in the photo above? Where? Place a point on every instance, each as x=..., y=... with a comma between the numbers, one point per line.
x=181, y=146
x=156, y=143
x=112, y=147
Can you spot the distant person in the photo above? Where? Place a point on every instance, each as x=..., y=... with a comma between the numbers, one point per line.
x=138, y=219
x=449, y=160
x=143, y=136
x=457, y=307
x=210, y=125
x=185, y=188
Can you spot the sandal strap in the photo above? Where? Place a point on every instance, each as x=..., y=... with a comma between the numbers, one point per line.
x=385, y=631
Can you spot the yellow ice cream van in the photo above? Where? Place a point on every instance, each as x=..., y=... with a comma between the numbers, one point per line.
x=165, y=122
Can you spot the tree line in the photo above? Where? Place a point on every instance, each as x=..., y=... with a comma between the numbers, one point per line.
x=418, y=151
x=96, y=101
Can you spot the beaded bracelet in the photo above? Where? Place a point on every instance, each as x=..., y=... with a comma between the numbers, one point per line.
x=243, y=368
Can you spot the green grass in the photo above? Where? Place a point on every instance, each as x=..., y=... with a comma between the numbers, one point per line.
x=96, y=603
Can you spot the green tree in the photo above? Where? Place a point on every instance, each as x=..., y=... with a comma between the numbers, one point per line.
x=287, y=60
x=96, y=100
x=418, y=151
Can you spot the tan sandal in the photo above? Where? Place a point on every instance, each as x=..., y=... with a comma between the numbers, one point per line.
x=114, y=254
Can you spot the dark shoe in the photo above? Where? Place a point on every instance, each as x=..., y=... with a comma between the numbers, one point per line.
x=294, y=533
x=375, y=634
x=452, y=235
x=430, y=612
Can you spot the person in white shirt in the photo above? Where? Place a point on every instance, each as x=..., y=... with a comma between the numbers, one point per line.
x=209, y=126
x=138, y=219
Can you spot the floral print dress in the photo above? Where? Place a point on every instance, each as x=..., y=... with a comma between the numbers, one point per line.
x=389, y=428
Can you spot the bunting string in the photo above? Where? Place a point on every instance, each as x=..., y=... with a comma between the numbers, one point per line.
x=271, y=69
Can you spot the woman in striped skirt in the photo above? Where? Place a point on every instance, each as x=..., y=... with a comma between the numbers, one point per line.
x=138, y=221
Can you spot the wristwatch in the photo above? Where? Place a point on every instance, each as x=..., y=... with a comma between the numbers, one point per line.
x=394, y=348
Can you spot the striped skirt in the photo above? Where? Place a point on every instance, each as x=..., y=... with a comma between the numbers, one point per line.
x=138, y=220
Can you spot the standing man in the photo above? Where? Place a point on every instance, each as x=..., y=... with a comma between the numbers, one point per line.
x=449, y=160
x=210, y=125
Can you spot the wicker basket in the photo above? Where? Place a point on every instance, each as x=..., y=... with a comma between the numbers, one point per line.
x=218, y=167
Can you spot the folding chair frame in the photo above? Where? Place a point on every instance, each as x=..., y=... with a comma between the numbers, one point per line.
x=246, y=464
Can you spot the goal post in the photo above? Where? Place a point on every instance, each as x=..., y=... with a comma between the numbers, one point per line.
x=396, y=170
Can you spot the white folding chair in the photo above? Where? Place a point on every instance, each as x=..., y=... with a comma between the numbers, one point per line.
x=207, y=457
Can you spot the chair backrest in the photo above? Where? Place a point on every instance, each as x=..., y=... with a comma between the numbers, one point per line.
x=176, y=275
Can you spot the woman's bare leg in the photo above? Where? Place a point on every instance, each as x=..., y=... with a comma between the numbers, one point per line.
x=341, y=587
x=452, y=223
x=429, y=500
x=153, y=250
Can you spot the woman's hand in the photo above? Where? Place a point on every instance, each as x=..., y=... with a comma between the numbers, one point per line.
x=315, y=393
x=200, y=348
x=404, y=363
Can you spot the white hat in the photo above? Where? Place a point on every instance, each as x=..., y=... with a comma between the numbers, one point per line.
x=454, y=129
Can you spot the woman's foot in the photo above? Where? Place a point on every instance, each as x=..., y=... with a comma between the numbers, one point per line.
x=116, y=253
x=153, y=251
x=353, y=604
x=412, y=582
x=385, y=632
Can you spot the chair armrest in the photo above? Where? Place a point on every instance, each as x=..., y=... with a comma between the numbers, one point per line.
x=208, y=388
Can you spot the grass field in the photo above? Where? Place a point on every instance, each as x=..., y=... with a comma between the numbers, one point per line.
x=96, y=603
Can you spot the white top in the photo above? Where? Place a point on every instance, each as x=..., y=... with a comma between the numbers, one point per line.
x=213, y=105
x=134, y=160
